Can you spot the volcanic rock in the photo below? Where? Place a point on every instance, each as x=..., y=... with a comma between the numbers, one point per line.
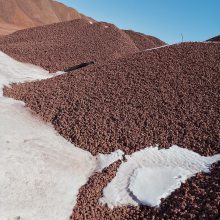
x=143, y=41
x=166, y=96
x=197, y=198
x=65, y=44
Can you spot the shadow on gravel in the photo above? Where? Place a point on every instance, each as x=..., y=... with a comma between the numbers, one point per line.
x=69, y=69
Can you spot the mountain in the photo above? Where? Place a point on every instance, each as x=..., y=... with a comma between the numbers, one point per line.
x=20, y=14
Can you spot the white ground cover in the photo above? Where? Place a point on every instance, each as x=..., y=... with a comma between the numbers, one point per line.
x=151, y=174
x=106, y=160
x=40, y=172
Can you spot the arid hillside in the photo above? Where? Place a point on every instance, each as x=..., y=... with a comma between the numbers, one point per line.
x=20, y=14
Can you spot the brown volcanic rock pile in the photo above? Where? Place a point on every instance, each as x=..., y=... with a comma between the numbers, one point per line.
x=62, y=45
x=165, y=96
x=20, y=14
x=215, y=39
x=143, y=41
x=197, y=198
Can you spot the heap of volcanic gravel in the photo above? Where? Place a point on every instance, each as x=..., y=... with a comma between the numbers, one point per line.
x=215, y=39
x=62, y=45
x=164, y=96
x=197, y=198
x=143, y=41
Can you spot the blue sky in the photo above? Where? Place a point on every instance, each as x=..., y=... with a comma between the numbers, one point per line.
x=197, y=20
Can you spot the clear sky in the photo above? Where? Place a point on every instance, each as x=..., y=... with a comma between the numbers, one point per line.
x=197, y=20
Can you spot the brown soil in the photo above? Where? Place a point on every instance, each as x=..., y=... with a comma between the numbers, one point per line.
x=7, y=29
x=62, y=45
x=198, y=198
x=143, y=41
x=166, y=96
x=20, y=14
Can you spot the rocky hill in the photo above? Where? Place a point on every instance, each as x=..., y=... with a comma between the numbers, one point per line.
x=20, y=14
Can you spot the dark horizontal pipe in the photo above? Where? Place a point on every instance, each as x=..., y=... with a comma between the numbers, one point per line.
x=78, y=66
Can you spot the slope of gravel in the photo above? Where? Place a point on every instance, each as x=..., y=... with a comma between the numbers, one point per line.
x=143, y=41
x=62, y=45
x=215, y=39
x=198, y=198
x=168, y=96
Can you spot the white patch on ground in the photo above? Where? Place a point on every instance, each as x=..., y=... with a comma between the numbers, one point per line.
x=155, y=48
x=152, y=174
x=104, y=161
x=160, y=182
x=40, y=172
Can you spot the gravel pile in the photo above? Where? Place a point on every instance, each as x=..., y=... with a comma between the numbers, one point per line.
x=197, y=198
x=143, y=41
x=62, y=45
x=215, y=39
x=166, y=96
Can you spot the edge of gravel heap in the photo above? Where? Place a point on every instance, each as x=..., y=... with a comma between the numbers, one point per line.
x=197, y=198
x=58, y=46
x=214, y=39
x=167, y=96
x=143, y=41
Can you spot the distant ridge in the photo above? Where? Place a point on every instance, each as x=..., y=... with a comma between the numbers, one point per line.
x=215, y=39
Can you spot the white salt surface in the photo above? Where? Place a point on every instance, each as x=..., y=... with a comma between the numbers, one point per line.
x=149, y=184
x=40, y=172
x=106, y=160
x=152, y=174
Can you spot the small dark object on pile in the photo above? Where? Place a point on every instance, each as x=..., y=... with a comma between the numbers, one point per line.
x=78, y=66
